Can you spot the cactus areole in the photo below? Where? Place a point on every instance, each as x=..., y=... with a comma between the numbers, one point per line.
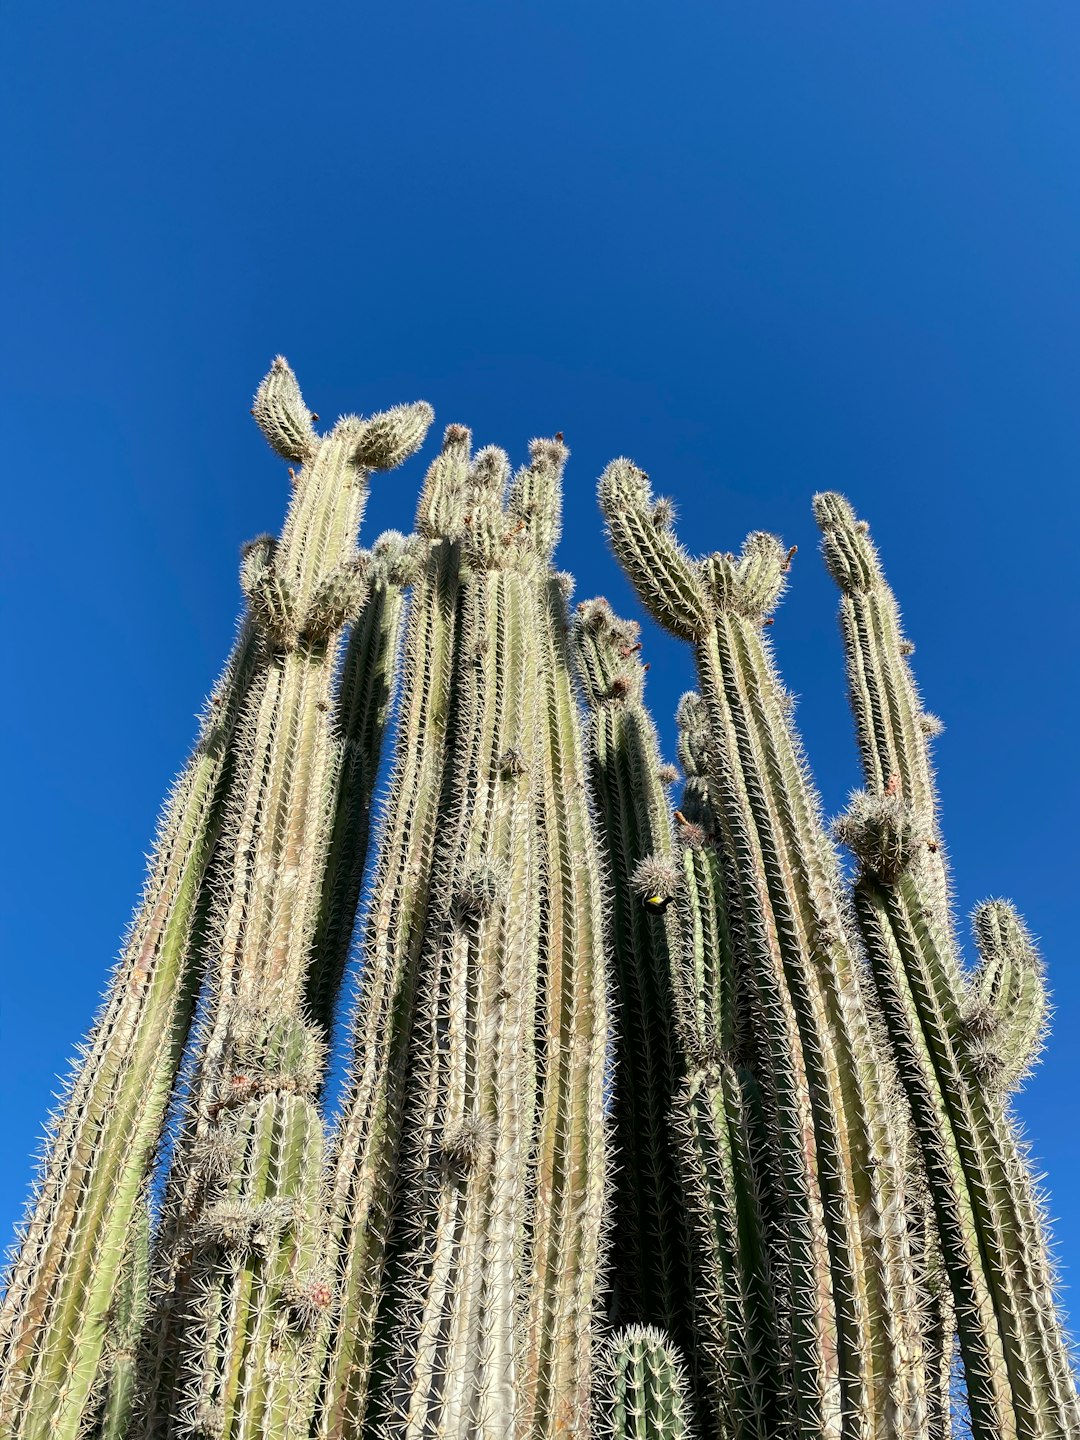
x=654, y=1125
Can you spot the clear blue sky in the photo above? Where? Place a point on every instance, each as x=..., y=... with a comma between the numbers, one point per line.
x=763, y=248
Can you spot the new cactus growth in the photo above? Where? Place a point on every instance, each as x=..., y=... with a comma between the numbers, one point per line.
x=960, y=1042
x=758, y=1197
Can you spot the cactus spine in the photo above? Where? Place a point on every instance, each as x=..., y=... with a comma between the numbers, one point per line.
x=813, y=1179
x=961, y=1043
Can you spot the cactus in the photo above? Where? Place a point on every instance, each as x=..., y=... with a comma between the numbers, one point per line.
x=470, y=1164
x=961, y=1042
x=791, y=1117
x=645, y=1387
x=241, y=1226
x=66, y=1274
x=651, y=1280
x=841, y=1263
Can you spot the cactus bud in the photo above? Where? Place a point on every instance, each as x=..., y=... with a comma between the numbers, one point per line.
x=385, y=440
x=880, y=832
x=282, y=416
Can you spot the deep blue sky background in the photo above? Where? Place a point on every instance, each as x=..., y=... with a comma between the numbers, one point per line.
x=763, y=248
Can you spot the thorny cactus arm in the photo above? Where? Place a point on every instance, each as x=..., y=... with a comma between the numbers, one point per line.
x=363, y=1165
x=1005, y=1008
x=572, y=1149
x=650, y=1277
x=952, y=1042
x=651, y=1280
x=842, y=1266
x=64, y=1276
x=363, y=707
x=219, y=1353
x=124, y=1327
x=716, y=1123
x=644, y=1390
x=484, y=1321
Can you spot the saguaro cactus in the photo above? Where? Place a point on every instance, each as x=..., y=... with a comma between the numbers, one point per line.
x=961, y=1043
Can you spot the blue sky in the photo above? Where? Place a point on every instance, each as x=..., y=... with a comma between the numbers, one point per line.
x=762, y=248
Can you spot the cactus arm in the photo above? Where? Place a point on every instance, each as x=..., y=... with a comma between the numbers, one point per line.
x=63, y=1280
x=1005, y=1007
x=848, y=1270
x=666, y=579
x=125, y=1323
x=363, y=707
x=644, y=1387
x=363, y=1163
x=1016, y=1361
x=206, y=1353
x=651, y=1277
x=713, y=1137
x=259, y=1245
x=456, y=1344
x=571, y=1156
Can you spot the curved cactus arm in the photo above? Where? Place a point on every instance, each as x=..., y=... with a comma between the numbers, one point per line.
x=63, y=1278
x=282, y=416
x=665, y=577
x=844, y=1267
x=279, y=832
x=364, y=1161
x=1005, y=1007
x=651, y=1277
x=364, y=699
x=1015, y=1356
x=643, y=1388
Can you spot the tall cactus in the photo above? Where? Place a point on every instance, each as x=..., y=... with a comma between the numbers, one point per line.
x=651, y=1279
x=717, y=1121
x=812, y=1179
x=961, y=1042
x=476, y=1284
x=841, y=1262
x=67, y=1272
x=243, y=1246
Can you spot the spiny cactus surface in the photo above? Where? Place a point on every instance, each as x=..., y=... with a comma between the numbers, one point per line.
x=653, y=1126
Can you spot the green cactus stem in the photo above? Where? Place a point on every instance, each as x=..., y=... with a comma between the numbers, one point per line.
x=956, y=1048
x=715, y=1117
x=64, y=1278
x=651, y=1279
x=219, y=1356
x=645, y=1388
x=363, y=706
x=842, y=1266
x=364, y=1159
x=492, y=1176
